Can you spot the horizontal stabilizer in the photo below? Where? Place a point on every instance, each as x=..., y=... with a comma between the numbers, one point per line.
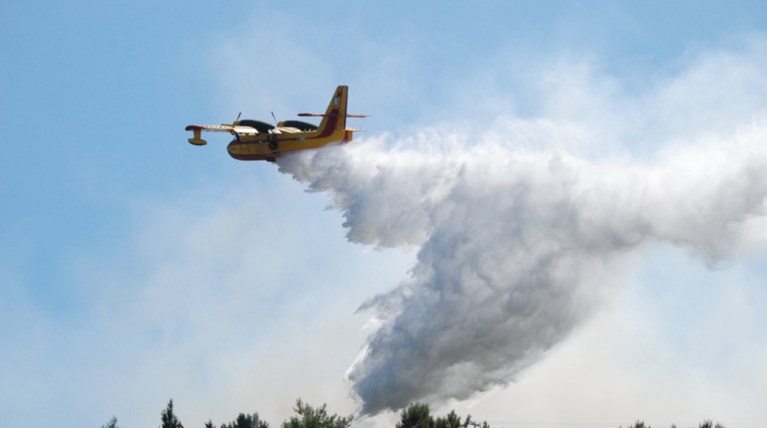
x=354, y=129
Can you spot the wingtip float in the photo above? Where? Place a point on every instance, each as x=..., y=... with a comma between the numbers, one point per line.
x=257, y=140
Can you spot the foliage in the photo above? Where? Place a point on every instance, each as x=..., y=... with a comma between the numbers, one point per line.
x=111, y=424
x=169, y=420
x=247, y=421
x=452, y=420
x=708, y=423
x=309, y=417
x=417, y=415
x=705, y=424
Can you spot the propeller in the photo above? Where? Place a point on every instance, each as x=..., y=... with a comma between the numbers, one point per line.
x=236, y=135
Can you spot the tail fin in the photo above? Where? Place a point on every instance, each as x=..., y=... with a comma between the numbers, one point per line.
x=336, y=110
x=335, y=115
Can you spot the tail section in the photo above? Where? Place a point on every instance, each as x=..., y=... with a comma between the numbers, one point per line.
x=336, y=110
x=335, y=115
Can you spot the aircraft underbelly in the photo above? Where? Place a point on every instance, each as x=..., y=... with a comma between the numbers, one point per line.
x=260, y=150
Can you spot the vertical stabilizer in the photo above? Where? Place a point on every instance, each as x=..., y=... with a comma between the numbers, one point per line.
x=335, y=115
x=334, y=118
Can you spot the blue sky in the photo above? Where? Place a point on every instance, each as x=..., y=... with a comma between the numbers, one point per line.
x=135, y=267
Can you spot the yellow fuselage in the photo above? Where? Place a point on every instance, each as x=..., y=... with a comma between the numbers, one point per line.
x=270, y=146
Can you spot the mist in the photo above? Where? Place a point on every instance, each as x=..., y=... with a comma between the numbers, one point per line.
x=519, y=244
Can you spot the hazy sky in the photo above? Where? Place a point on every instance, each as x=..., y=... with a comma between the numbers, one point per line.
x=135, y=268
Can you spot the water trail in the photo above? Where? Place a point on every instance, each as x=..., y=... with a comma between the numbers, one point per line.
x=516, y=248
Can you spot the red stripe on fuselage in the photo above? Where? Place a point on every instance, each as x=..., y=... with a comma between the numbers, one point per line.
x=330, y=126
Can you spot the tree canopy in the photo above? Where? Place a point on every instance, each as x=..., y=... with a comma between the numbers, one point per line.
x=310, y=417
x=111, y=424
x=416, y=415
x=246, y=421
x=169, y=419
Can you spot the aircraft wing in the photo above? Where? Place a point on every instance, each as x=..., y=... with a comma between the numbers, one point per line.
x=232, y=129
x=329, y=115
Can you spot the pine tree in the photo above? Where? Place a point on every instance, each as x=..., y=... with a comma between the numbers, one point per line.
x=416, y=415
x=111, y=424
x=309, y=417
x=247, y=421
x=169, y=420
x=452, y=420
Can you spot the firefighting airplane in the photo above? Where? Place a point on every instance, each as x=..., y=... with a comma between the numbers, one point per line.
x=256, y=140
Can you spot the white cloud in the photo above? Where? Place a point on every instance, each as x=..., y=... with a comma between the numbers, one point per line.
x=221, y=299
x=517, y=246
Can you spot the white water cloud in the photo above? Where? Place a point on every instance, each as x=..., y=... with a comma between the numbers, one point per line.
x=518, y=245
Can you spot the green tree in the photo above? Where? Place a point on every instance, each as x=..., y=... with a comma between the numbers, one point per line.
x=247, y=421
x=416, y=415
x=309, y=417
x=708, y=423
x=169, y=420
x=452, y=420
x=111, y=424
x=209, y=424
